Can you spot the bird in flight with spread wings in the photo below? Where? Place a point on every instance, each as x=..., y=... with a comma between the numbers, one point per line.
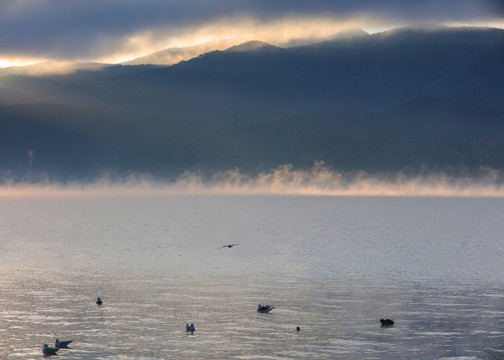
x=228, y=246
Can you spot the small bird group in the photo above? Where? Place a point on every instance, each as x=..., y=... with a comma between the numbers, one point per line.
x=47, y=350
x=189, y=328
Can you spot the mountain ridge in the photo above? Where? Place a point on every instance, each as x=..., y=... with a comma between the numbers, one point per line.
x=407, y=99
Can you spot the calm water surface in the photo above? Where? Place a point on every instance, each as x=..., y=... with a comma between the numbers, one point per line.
x=331, y=265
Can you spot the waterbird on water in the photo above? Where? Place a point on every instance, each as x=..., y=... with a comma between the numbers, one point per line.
x=62, y=344
x=386, y=322
x=228, y=246
x=264, y=308
x=98, y=301
x=190, y=328
x=46, y=350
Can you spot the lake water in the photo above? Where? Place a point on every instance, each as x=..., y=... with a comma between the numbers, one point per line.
x=331, y=265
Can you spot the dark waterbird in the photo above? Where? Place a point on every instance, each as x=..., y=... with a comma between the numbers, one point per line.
x=386, y=322
x=46, y=350
x=228, y=246
x=190, y=328
x=264, y=308
x=98, y=301
x=62, y=344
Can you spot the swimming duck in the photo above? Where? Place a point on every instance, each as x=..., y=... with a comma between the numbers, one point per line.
x=190, y=328
x=46, y=350
x=98, y=301
x=264, y=308
x=386, y=322
x=62, y=344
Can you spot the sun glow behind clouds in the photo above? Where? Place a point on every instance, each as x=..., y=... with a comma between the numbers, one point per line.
x=285, y=180
x=97, y=30
x=278, y=32
x=498, y=24
x=9, y=62
x=281, y=31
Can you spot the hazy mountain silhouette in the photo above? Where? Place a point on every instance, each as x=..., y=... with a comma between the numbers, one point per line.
x=177, y=54
x=235, y=87
x=428, y=133
x=403, y=99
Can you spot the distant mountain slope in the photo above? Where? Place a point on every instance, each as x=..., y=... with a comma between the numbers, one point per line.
x=399, y=100
x=251, y=46
x=372, y=72
x=424, y=134
x=175, y=55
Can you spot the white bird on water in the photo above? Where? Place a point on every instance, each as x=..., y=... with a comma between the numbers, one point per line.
x=264, y=308
x=49, y=350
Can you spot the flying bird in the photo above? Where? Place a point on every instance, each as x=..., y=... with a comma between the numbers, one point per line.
x=62, y=344
x=46, y=350
x=228, y=246
x=264, y=308
x=386, y=322
x=98, y=301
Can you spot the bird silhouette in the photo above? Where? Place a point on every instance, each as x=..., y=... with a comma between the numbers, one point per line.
x=228, y=246
x=190, y=328
x=46, y=350
x=264, y=308
x=386, y=322
x=62, y=344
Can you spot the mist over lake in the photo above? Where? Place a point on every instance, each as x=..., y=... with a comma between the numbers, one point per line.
x=334, y=266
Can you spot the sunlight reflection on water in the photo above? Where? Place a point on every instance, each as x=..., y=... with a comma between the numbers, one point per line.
x=333, y=266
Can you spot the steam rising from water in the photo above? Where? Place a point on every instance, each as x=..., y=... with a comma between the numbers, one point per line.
x=285, y=180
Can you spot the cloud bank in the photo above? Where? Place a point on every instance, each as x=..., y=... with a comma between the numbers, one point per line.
x=108, y=30
x=285, y=180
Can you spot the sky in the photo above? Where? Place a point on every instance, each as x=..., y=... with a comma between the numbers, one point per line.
x=112, y=31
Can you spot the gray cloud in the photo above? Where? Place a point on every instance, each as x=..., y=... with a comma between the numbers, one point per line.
x=87, y=29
